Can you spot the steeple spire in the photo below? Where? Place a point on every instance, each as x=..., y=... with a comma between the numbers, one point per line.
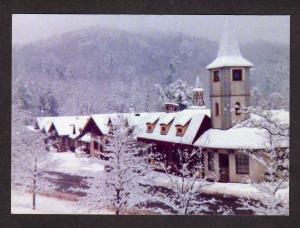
x=228, y=45
x=229, y=52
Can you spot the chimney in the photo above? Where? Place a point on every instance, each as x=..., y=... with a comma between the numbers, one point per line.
x=171, y=107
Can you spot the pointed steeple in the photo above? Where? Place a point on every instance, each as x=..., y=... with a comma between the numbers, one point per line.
x=229, y=52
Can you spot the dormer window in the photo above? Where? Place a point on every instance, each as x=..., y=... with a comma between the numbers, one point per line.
x=180, y=130
x=237, y=75
x=163, y=130
x=216, y=76
x=149, y=128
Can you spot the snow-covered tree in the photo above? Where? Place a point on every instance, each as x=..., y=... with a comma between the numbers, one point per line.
x=178, y=92
x=276, y=100
x=48, y=104
x=275, y=159
x=29, y=159
x=255, y=97
x=185, y=184
x=171, y=76
x=119, y=188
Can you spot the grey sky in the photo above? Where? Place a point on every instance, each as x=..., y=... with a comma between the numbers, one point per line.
x=28, y=28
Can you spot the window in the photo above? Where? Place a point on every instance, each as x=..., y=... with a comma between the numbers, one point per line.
x=149, y=128
x=179, y=131
x=216, y=109
x=237, y=75
x=163, y=130
x=216, y=76
x=242, y=163
x=96, y=145
x=237, y=108
x=210, y=160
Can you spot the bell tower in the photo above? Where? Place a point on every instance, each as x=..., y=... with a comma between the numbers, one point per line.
x=229, y=82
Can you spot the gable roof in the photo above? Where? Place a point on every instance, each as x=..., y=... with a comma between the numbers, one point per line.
x=237, y=138
x=64, y=125
x=195, y=116
x=243, y=135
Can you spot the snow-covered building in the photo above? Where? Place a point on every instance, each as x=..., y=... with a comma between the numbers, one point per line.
x=98, y=127
x=223, y=132
x=61, y=131
x=221, y=138
x=168, y=132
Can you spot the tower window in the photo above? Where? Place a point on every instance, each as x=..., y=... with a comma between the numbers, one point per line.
x=216, y=109
x=216, y=76
x=237, y=108
x=237, y=75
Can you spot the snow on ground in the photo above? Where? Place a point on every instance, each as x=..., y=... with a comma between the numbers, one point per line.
x=69, y=163
x=229, y=189
x=21, y=203
x=88, y=166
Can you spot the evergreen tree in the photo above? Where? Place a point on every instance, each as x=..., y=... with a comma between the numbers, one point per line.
x=25, y=96
x=48, y=104
x=177, y=92
x=276, y=100
x=173, y=65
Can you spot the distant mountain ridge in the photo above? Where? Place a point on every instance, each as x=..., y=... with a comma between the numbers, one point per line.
x=95, y=65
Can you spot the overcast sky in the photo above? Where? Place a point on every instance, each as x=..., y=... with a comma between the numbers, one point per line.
x=27, y=28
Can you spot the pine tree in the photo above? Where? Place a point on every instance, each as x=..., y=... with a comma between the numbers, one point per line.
x=48, y=104
x=178, y=92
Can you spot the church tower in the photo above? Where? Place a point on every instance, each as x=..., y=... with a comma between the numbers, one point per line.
x=229, y=82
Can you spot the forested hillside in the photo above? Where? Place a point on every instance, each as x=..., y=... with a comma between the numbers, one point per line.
x=98, y=70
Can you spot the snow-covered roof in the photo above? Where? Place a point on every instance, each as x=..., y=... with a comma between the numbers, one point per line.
x=64, y=125
x=279, y=116
x=235, y=138
x=198, y=107
x=171, y=103
x=42, y=121
x=166, y=119
x=102, y=120
x=153, y=117
x=198, y=89
x=194, y=116
x=86, y=138
x=229, y=52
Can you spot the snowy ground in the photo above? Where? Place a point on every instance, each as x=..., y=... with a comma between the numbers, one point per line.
x=228, y=189
x=88, y=166
x=70, y=164
x=21, y=203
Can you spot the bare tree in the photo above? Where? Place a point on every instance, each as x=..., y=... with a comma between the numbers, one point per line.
x=119, y=188
x=29, y=159
x=275, y=159
x=186, y=183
